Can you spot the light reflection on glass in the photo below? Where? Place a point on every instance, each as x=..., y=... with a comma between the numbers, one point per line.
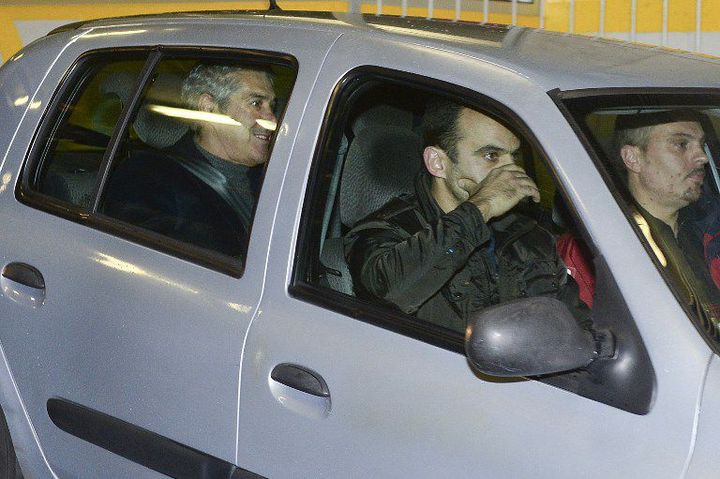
x=124, y=266
x=35, y=105
x=21, y=101
x=206, y=116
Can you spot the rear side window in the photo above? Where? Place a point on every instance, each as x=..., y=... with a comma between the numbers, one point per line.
x=168, y=149
x=74, y=149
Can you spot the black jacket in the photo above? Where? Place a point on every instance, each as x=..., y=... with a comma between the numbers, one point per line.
x=170, y=192
x=442, y=267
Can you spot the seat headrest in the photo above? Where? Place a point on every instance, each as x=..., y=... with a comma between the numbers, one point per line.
x=157, y=130
x=381, y=164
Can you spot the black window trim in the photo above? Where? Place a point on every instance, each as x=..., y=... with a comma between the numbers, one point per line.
x=561, y=98
x=26, y=194
x=300, y=286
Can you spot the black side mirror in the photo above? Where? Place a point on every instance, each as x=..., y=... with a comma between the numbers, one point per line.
x=530, y=337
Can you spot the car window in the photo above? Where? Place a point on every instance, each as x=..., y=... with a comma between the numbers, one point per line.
x=381, y=245
x=75, y=147
x=660, y=153
x=169, y=149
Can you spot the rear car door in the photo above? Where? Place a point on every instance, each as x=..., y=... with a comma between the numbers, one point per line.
x=124, y=341
x=335, y=386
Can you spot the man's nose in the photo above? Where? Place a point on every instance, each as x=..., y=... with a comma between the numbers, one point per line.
x=268, y=114
x=701, y=156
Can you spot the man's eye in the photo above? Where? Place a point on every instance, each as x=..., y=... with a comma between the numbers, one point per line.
x=682, y=144
x=492, y=156
x=256, y=103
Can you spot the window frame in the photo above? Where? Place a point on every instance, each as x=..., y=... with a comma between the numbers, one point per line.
x=27, y=192
x=307, y=246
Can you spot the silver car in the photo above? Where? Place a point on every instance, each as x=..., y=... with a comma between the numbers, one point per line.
x=140, y=336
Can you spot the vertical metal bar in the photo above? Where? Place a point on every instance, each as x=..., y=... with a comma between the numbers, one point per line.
x=698, y=24
x=542, y=14
x=431, y=8
x=665, y=23
x=486, y=10
x=633, y=20
x=514, y=12
x=602, y=18
x=355, y=6
x=571, y=21
x=379, y=7
x=404, y=6
x=457, y=9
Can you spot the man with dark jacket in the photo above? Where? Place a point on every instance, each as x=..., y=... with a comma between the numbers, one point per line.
x=662, y=157
x=203, y=189
x=456, y=247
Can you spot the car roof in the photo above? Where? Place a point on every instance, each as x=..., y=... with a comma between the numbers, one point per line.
x=551, y=60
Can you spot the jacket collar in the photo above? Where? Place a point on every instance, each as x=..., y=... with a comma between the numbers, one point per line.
x=423, y=190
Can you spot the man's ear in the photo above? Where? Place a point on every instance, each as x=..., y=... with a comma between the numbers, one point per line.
x=207, y=103
x=435, y=161
x=631, y=155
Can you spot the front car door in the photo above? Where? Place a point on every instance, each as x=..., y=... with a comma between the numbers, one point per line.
x=335, y=386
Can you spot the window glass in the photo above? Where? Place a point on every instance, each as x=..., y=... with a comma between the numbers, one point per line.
x=660, y=152
x=406, y=224
x=75, y=148
x=192, y=162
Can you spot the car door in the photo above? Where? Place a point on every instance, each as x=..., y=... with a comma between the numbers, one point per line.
x=125, y=342
x=333, y=386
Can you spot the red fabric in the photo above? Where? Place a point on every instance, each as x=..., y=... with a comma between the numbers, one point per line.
x=713, y=261
x=575, y=258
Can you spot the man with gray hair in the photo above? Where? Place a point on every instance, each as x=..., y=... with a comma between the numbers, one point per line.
x=203, y=189
x=245, y=95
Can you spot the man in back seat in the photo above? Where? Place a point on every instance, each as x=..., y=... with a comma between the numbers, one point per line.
x=203, y=189
x=456, y=246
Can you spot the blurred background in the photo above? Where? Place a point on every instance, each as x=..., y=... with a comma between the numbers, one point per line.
x=682, y=24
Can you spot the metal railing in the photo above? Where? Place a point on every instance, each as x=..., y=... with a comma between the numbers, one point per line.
x=660, y=37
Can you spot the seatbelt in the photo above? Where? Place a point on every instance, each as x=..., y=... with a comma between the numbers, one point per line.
x=205, y=172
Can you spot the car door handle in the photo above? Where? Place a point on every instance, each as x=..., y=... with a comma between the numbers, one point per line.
x=23, y=284
x=300, y=378
x=300, y=390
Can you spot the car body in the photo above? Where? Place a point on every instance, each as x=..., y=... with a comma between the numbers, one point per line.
x=136, y=356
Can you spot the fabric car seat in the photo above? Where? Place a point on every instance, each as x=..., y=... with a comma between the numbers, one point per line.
x=381, y=163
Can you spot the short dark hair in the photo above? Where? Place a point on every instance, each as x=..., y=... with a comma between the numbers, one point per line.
x=440, y=125
x=635, y=129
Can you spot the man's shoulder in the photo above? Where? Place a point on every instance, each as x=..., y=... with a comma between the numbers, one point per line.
x=403, y=211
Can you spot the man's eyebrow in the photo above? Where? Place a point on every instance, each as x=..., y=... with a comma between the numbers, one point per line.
x=491, y=148
x=692, y=136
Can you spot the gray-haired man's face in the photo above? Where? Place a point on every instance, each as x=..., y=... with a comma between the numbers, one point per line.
x=248, y=142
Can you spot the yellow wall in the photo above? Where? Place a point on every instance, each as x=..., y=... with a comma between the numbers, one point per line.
x=681, y=13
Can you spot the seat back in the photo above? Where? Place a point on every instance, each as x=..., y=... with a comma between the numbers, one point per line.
x=381, y=163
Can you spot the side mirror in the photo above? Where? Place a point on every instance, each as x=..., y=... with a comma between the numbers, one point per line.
x=530, y=337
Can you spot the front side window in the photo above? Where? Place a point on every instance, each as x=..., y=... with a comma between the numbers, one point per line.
x=169, y=148
x=434, y=207
x=660, y=153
